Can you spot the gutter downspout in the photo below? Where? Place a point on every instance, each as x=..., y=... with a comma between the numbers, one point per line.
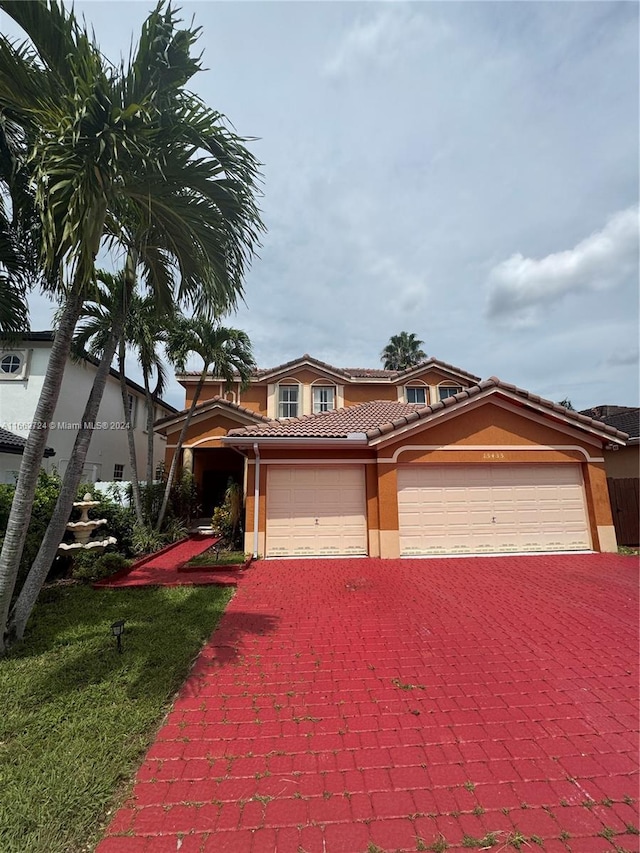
x=256, y=500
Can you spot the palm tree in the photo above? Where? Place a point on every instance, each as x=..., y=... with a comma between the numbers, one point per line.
x=125, y=155
x=146, y=331
x=96, y=334
x=19, y=231
x=402, y=351
x=226, y=353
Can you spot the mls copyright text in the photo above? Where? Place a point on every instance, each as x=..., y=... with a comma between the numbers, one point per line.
x=62, y=425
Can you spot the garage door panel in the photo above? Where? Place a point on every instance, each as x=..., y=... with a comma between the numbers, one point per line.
x=316, y=511
x=493, y=508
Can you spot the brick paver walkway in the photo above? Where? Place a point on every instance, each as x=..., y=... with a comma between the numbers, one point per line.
x=164, y=568
x=360, y=705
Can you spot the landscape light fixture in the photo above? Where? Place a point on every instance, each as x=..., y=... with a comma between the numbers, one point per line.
x=117, y=629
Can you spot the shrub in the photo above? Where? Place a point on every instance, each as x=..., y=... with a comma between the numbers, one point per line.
x=87, y=566
x=183, y=500
x=146, y=540
x=226, y=519
x=175, y=530
x=45, y=500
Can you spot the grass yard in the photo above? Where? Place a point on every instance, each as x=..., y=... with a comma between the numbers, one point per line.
x=224, y=558
x=77, y=716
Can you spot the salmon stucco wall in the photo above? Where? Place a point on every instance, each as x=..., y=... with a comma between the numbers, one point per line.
x=388, y=511
x=354, y=394
x=254, y=398
x=489, y=425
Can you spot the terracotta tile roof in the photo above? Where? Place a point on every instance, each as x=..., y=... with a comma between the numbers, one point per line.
x=354, y=372
x=382, y=417
x=210, y=403
x=338, y=423
x=435, y=362
x=262, y=371
x=12, y=443
x=370, y=373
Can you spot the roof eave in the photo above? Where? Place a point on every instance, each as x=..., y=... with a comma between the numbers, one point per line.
x=354, y=440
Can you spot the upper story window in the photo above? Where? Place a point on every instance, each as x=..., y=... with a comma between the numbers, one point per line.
x=445, y=391
x=10, y=363
x=13, y=365
x=288, y=396
x=324, y=398
x=416, y=394
x=118, y=472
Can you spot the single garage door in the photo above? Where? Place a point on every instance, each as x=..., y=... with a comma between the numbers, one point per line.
x=316, y=511
x=491, y=509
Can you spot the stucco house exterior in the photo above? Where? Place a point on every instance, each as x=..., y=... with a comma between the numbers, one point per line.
x=11, y=450
x=427, y=461
x=22, y=370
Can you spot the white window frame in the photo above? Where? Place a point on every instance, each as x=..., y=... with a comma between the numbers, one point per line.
x=320, y=405
x=285, y=405
x=118, y=476
x=449, y=391
x=414, y=388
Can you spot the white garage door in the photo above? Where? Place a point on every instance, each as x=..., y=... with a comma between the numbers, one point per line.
x=316, y=511
x=491, y=509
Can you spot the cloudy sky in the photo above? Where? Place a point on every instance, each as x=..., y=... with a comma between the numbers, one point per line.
x=464, y=171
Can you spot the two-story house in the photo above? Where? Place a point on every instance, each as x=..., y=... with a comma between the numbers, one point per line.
x=425, y=461
x=23, y=367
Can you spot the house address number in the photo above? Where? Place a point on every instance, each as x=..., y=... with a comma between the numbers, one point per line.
x=493, y=456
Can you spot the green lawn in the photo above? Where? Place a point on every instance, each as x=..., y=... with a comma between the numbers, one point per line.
x=76, y=717
x=224, y=558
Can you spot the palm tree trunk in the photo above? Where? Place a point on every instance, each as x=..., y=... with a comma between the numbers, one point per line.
x=178, y=451
x=68, y=490
x=133, y=462
x=32, y=458
x=150, y=404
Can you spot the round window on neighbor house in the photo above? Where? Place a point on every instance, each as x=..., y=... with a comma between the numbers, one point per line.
x=10, y=363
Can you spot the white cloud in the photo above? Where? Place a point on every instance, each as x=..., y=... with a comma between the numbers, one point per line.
x=520, y=287
x=379, y=40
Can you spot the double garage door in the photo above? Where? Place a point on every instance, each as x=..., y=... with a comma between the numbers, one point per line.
x=453, y=509
x=316, y=511
x=491, y=509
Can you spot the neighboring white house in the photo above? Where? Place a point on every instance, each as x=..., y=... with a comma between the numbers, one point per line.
x=22, y=370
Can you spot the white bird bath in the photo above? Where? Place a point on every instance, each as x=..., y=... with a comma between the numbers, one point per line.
x=84, y=528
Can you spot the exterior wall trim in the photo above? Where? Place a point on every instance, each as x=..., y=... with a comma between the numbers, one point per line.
x=310, y=461
x=534, y=448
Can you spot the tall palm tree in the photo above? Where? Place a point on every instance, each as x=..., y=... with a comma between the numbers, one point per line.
x=128, y=156
x=146, y=333
x=402, y=351
x=19, y=231
x=226, y=353
x=143, y=332
x=102, y=318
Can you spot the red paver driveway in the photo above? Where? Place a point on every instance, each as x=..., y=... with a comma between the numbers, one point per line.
x=353, y=705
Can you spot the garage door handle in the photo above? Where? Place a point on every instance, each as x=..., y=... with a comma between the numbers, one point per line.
x=317, y=521
x=493, y=520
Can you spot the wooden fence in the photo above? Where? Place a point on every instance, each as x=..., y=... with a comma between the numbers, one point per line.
x=625, y=506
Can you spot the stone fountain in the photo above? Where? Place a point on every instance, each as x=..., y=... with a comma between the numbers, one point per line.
x=84, y=528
